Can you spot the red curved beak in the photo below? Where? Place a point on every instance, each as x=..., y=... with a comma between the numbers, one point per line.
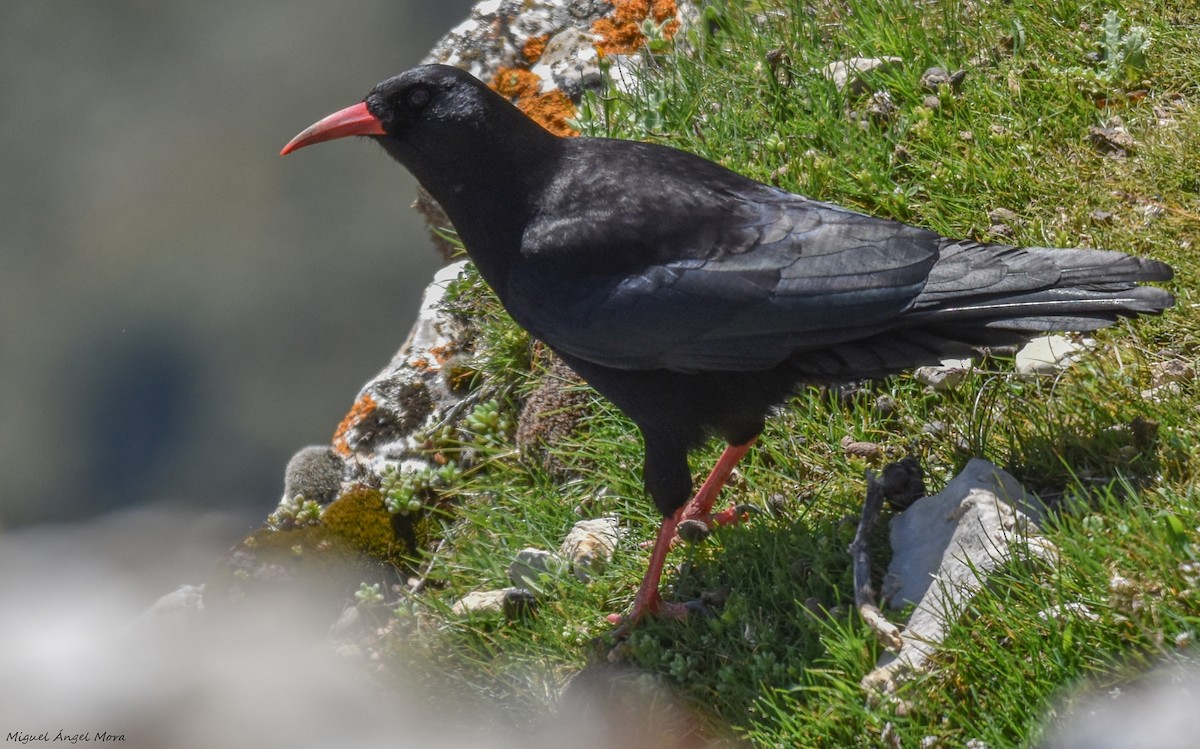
x=355, y=120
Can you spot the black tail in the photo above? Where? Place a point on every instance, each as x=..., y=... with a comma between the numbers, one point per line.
x=981, y=296
x=1036, y=289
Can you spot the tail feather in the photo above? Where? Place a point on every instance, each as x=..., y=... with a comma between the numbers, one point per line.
x=971, y=270
x=1037, y=288
x=981, y=296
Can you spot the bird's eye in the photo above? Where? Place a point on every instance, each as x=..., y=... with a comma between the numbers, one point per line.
x=417, y=97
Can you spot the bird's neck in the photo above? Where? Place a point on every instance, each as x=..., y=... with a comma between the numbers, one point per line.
x=490, y=193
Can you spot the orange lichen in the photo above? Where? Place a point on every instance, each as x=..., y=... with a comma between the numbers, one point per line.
x=362, y=408
x=551, y=110
x=534, y=47
x=443, y=354
x=517, y=84
x=621, y=32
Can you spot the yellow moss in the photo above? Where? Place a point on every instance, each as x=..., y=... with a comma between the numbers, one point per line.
x=360, y=519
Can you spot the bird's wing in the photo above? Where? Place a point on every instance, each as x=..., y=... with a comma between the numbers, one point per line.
x=741, y=282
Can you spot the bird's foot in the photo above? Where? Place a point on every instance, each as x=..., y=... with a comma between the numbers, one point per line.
x=735, y=514
x=652, y=605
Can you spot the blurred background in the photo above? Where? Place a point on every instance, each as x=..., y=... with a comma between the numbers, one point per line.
x=180, y=308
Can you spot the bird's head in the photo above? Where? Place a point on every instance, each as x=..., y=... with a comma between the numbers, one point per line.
x=431, y=113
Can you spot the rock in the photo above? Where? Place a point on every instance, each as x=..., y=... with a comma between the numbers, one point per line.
x=946, y=376
x=1047, y=355
x=1114, y=141
x=412, y=391
x=1101, y=218
x=857, y=449
x=571, y=62
x=1067, y=611
x=314, y=473
x=885, y=407
x=532, y=567
x=590, y=546
x=184, y=604
x=881, y=109
x=508, y=602
x=934, y=78
x=1004, y=216
x=1158, y=710
x=1171, y=370
x=943, y=547
x=1162, y=392
x=853, y=73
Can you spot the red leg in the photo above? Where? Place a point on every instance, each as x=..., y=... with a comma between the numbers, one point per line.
x=648, y=600
x=700, y=506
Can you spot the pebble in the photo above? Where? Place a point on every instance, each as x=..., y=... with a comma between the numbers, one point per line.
x=508, y=602
x=590, y=545
x=532, y=566
x=947, y=376
x=851, y=73
x=1047, y=355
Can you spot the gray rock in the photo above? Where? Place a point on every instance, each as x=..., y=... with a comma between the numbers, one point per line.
x=1171, y=371
x=182, y=604
x=507, y=602
x=1114, y=141
x=571, y=62
x=943, y=547
x=532, y=567
x=1154, y=712
x=1004, y=216
x=412, y=391
x=946, y=376
x=852, y=74
x=314, y=473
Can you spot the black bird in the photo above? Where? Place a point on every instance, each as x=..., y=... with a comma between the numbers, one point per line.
x=696, y=299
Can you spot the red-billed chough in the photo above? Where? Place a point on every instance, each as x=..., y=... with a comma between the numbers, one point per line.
x=696, y=299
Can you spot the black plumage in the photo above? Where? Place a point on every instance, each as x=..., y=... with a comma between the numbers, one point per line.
x=696, y=299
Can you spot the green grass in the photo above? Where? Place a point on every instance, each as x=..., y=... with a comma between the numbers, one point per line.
x=779, y=662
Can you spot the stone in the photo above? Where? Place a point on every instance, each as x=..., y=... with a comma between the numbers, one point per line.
x=1158, y=710
x=946, y=376
x=1114, y=141
x=571, y=62
x=590, y=545
x=532, y=567
x=852, y=73
x=414, y=390
x=1047, y=355
x=1171, y=371
x=859, y=449
x=934, y=78
x=1004, y=216
x=314, y=473
x=943, y=547
x=507, y=602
